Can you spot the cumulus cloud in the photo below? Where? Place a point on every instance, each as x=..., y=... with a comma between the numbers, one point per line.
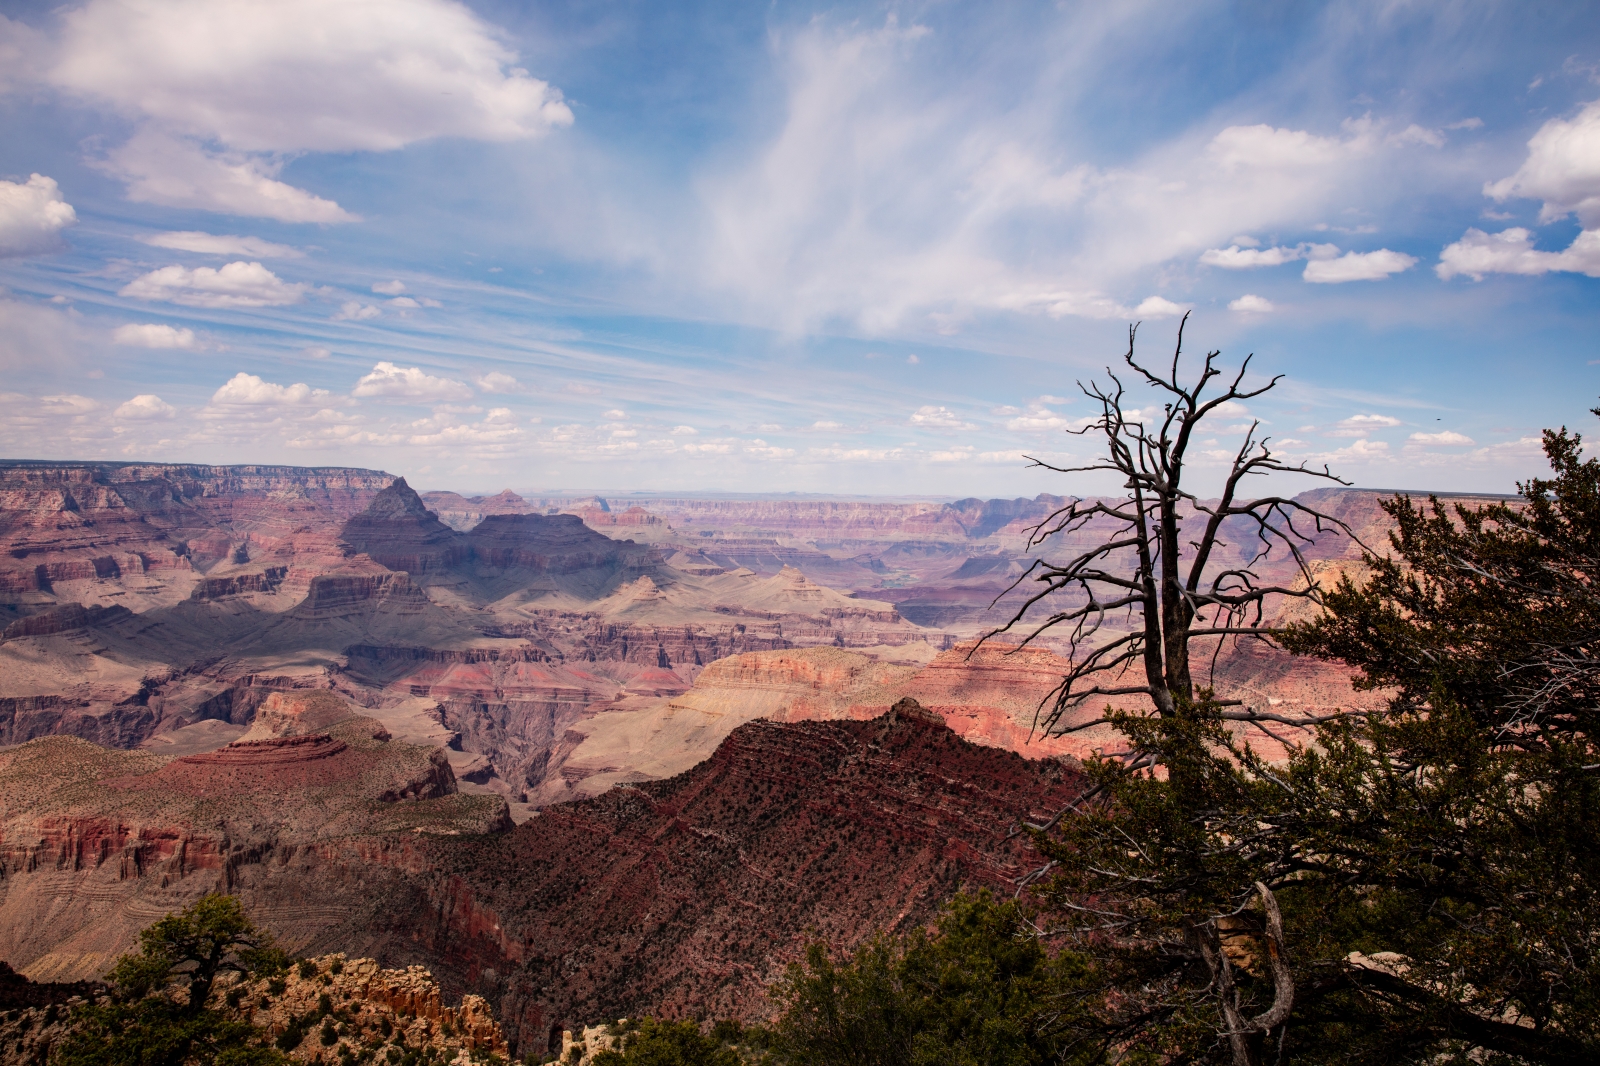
x=32, y=216
x=409, y=383
x=1237, y=257
x=930, y=416
x=1358, y=266
x=1251, y=304
x=1511, y=251
x=1562, y=169
x=247, y=390
x=355, y=311
x=757, y=448
x=1157, y=307
x=498, y=427
x=315, y=351
x=389, y=288
x=221, y=244
x=1444, y=436
x=495, y=381
x=146, y=407
x=238, y=82
x=1037, y=420
x=235, y=285
x=153, y=335
x=1360, y=425
x=685, y=431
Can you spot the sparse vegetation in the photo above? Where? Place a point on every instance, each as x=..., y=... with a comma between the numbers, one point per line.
x=159, y=1016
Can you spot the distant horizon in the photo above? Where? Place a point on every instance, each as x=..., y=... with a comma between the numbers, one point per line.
x=631, y=495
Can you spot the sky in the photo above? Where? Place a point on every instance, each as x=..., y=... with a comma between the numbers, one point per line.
x=862, y=249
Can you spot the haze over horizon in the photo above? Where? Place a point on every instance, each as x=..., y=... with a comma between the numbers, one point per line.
x=793, y=248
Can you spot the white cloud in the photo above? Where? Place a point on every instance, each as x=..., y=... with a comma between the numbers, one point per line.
x=248, y=390
x=1415, y=134
x=495, y=381
x=1038, y=420
x=1358, y=266
x=715, y=446
x=235, y=285
x=315, y=352
x=1360, y=425
x=1235, y=257
x=152, y=335
x=912, y=359
x=685, y=431
x=1157, y=307
x=953, y=455
x=409, y=383
x=1266, y=147
x=498, y=427
x=1512, y=252
x=32, y=216
x=760, y=449
x=220, y=244
x=146, y=407
x=404, y=303
x=1444, y=436
x=260, y=79
x=1562, y=169
x=389, y=288
x=355, y=311
x=1251, y=304
x=615, y=415
x=159, y=168
x=930, y=416
x=884, y=196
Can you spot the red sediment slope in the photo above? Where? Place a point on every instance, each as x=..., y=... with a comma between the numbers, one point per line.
x=685, y=897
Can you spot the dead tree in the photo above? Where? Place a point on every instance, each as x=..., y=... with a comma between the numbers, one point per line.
x=1143, y=566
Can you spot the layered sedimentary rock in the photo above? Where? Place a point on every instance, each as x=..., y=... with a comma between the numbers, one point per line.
x=145, y=531
x=94, y=843
x=687, y=897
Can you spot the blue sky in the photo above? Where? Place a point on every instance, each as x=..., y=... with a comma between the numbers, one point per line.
x=843, y=249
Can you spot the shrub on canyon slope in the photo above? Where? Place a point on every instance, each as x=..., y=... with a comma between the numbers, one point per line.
x=659, y=1043
x=979, y=990
x=159, y=1015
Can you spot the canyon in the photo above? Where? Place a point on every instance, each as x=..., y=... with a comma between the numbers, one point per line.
x=582, y=757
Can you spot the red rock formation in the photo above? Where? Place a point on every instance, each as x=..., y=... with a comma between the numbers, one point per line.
x=87, y=522
x=396, y=530
x=685, y=897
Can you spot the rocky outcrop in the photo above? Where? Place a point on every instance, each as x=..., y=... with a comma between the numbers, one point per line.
x=684, y=898
x=334, y=1009
x=547, y=544
x=397, y=531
